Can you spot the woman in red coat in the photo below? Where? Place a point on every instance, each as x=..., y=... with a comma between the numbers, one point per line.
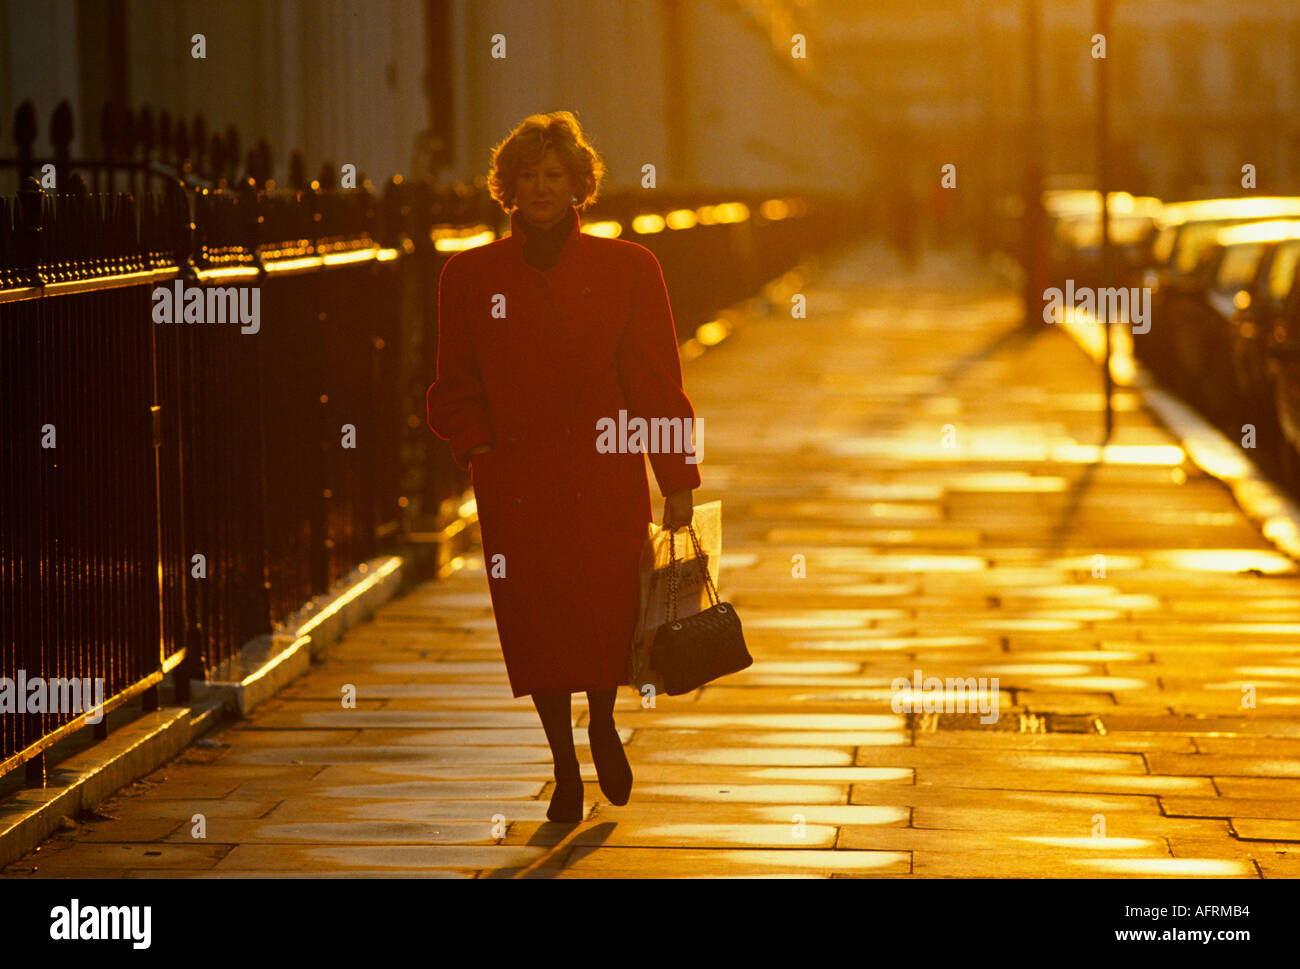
x=546, y=338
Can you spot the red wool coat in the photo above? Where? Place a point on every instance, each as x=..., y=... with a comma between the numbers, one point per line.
x=529, y=361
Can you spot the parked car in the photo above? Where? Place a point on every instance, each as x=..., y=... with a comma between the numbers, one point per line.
x=1284, y=364
x=1075, y=226
x=1226, y=276
x=1255, y=317
x=1203, y=349
x=1186, y=230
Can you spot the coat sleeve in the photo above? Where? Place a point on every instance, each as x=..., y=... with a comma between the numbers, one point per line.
x=650, y=371
x=457, y=404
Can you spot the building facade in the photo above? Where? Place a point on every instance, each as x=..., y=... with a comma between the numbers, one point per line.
x=706, y=91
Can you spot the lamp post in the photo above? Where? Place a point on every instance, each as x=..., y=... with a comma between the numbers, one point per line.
x=1032, y=226
x=1103, y=11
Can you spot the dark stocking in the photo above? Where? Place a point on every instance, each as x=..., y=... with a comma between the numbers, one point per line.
x=556, y=713
x=612, y=768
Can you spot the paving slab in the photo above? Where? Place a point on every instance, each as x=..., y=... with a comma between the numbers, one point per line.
x=430, y=790
x=1221, y=764
x=791, y=815
x=324, y=858
x=1001, y=761
x=346, y=873
x=409, y=719
x=948, y=841
x=1048, y=780
x=323, y=809
x=951, y=865
x=475, y=737
x=392, y=754
x=240, y=831
x=127, y=808
x=665, y=862
x=1258, y=787
x=1267, y=829
x=1065, y=824
x=746, y=793
x=250, y=734
x=138, y=830
x=92, y=856
x=1110, y=742
x=1228, y=807
x=686, y=834
x=1280, y=866
x=1255, y=852
x=747, y=756
x=648, y=738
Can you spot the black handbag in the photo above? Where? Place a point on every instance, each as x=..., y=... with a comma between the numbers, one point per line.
x=687, y=653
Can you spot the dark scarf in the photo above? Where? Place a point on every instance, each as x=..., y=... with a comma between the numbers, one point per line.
x=542, y=246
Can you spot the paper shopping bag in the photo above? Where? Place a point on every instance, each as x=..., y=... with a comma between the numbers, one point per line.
x=692, y=596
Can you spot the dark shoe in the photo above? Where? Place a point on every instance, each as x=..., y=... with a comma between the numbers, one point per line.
x=567, y=799
x=612, y=768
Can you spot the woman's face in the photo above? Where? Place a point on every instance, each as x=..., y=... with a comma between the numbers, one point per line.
x=544, y=191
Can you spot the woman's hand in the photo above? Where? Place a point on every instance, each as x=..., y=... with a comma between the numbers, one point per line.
x=679, y=509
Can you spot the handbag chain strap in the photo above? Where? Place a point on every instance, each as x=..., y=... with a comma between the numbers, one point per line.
x=672, y=572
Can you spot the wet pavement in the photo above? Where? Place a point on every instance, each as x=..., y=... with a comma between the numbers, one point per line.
x=912, y=487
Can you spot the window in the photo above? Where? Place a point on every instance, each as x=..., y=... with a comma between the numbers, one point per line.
x=1281, y=274
x=1195, y=239
x=1240, y=263
x=1164, y=245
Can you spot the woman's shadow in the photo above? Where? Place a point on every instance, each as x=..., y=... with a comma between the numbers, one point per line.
x=567, y=843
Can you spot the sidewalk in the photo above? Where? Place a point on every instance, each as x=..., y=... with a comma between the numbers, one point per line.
x=1120, y=695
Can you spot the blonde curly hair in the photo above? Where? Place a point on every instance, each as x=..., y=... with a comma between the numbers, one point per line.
x=529, y=142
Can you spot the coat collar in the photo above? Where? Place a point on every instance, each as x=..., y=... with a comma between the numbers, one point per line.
x=518, y=230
